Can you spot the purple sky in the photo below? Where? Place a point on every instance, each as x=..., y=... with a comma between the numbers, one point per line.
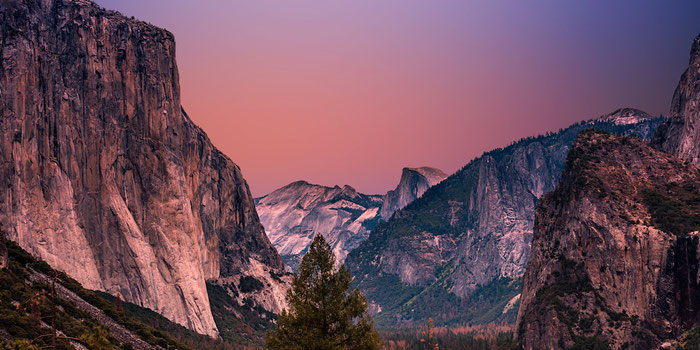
x=349, y=92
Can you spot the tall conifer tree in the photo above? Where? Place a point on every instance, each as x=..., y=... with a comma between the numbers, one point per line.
x=325, y=312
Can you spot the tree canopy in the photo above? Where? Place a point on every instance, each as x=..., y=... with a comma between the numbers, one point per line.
x=325, y=311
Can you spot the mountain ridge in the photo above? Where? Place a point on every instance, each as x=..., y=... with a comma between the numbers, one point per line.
x=610, y=263
x=295, y=213
x=460, y=249
x=616, y=248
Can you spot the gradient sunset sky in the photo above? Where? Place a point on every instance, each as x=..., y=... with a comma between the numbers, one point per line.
x=350, y=92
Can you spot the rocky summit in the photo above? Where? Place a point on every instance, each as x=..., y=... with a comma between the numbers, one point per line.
x=294, y=214
x=105, y=177
x=414, y=182
x=681, y=134
x=616, y=246
x=615, y=251
x=457, y=253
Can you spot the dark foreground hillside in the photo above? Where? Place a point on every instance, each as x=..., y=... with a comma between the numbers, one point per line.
x=84, y=319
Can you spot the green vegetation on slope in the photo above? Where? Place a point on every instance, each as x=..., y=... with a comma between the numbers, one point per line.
x=419, y=338
x=26, y=311
x=674, y=208
x=691, y=340
x=485, y=305
x=238, y=324
x=24, y=305
x=430, y=214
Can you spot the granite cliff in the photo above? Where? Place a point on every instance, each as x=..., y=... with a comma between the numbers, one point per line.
x=414, y=182
x=616, y=246
x=457, y=253
x=294, y=214
x=681, y=134
x=105, y=177
x=615, y=250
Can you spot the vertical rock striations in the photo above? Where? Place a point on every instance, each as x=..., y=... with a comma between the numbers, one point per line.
x=103, y=174
x=681, y=134
x=414, y=182
x=460, y=249
x=294, y=214
x=615, y=250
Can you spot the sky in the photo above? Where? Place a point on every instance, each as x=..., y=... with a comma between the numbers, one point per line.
x=350, y=92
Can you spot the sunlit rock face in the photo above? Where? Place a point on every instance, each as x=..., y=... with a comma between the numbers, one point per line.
x=615, y=250
x=294, y=214
x=681, y=134
x=105, y=177
x=414, y=182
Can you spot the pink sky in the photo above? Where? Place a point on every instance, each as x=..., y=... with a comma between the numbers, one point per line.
x=350, y=92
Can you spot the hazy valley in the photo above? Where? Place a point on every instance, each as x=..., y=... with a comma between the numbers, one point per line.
x=125, y=227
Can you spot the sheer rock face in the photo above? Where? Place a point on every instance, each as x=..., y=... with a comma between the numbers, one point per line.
x=471, y=229
x=414, y=182
x=607, y=261
x=681, y=134
x=294, y=214
x=103, y=174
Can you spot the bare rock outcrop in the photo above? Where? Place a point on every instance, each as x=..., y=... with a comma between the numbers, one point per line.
x=614, y=257
x=104, y=176
x=294, y=214
x=460, y=249
x=413, y=183
x=681, y=134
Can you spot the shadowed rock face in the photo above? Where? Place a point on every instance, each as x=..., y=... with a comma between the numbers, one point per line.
x=414, y=182
x=103, y=174
x=681, y=134
x=469, y=235
x=615, y=250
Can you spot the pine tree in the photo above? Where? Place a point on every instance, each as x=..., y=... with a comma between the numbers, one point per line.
x=325, y=312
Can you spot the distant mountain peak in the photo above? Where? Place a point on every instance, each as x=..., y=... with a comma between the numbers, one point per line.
x=299, y=183
x=413, y=183
x=294, y=214
x=467, y=239
x=434, y=174
x=624, y=116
